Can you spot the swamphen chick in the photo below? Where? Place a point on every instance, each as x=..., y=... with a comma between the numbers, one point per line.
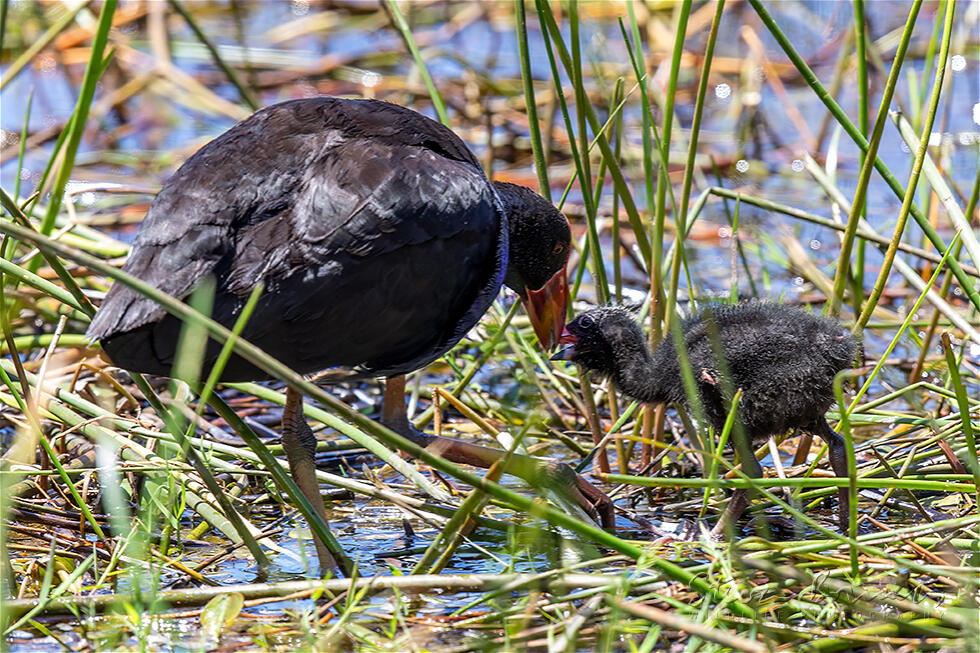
x=783, y=358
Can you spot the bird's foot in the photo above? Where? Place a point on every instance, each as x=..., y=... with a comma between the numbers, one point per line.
x=407, y=430
x=593, y=500
x=558, y=476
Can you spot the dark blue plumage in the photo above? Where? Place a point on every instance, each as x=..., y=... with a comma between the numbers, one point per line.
x=378, y=239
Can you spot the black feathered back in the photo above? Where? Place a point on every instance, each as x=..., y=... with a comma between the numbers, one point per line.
x=377, y=237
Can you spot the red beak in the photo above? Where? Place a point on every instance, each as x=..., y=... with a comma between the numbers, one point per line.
x=567, y=338
x=546, y=308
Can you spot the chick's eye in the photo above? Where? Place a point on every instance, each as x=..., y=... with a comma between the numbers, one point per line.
x=557, y=249
x=586, y=321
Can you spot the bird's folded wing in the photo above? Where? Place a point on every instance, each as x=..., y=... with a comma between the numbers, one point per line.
x=260, y=199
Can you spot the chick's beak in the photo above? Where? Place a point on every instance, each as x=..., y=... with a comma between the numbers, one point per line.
x=546, y=308
x=565, y=354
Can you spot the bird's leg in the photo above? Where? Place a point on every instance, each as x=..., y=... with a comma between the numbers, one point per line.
x=837, y=452
x=740, y=497
x=592, y=499
x=299, y=443
x=394, y=415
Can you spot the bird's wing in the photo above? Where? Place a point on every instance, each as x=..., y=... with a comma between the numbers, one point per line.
x=246, y=183
x=380, y=265
x=361, y=199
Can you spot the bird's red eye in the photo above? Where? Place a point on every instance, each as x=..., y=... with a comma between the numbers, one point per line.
x=558, y=249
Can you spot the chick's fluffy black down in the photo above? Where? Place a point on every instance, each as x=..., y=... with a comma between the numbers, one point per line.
x=783, y=358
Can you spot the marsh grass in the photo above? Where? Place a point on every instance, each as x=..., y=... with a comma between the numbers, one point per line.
x=110, y=481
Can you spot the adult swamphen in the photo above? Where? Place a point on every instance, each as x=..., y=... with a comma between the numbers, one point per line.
x=379, y=242
x=783, y=358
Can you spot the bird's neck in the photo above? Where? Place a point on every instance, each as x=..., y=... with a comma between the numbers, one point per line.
x=637, y=376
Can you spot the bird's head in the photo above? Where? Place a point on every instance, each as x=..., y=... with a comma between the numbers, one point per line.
x=540, y=242
x=596, y=338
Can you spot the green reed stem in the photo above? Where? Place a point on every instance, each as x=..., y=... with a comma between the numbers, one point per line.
x=4, y=6
x=474, y=367
x=945, y=194
x=662, y=312
x=800, y=214
x=32, y=417
x=961, y=483
x=530, y=104
x=398, y=20
x=972, y=461
x=864, y=178
x=403, y=467
x=244, y=91
x=904, y=326
x=845, y=414
x=615, y=170
x=614, y=227
x=582, y=162
x=910, y=188
x=22, y=146
x=639, y=68
x=680, y=220
x=41, y=284
x=42, y=42
x=93, y=71
x=81, y=301
x=927, y=63
x=171, y=420
x=861, y=63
